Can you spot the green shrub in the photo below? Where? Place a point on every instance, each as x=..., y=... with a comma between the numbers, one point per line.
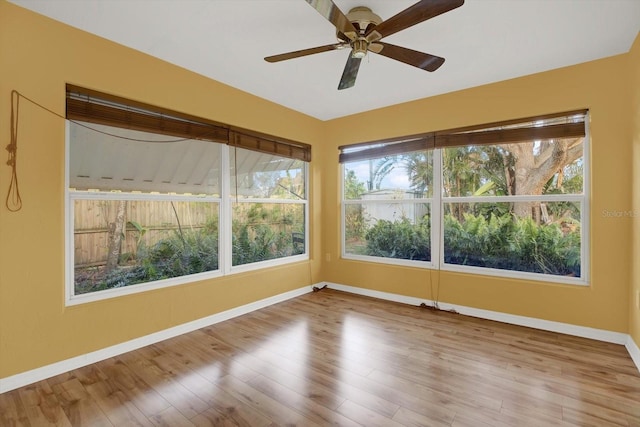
x=265, y=244
x=263, y=232
x=510, y=243
x=181, y=254
x=355, y=223
x=501, y=242
x=400, y=239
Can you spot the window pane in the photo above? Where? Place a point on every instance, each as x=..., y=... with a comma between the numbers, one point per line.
x=389, y=230
x=489, y=235
x=259, y=175
x=406, y=176
x=529, y=168
x=108, y=158
x=121, y=243
x=263, y=231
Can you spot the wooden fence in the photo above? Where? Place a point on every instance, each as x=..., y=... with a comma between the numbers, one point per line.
x=159, y=220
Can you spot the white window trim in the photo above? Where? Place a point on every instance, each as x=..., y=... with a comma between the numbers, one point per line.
x=71, y=196
x=585, y=209
x=437, y=223
x=431, y=201
x=233, y=269
x=224, y=233
x=437, y=238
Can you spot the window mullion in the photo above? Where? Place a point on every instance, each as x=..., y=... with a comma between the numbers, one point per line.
x=69, y=218
x=388, y=201
x=226, y=241
x=99, y=195
x=585, y=206
x=515, y=198
x=437, y=233
x=343, y=211
x=306, y=210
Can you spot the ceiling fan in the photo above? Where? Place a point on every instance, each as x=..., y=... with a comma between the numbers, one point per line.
x=361, y=30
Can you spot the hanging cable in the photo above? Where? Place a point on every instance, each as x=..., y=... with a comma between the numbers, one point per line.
x=103, y=132
x=435, y=297
x=14, y=200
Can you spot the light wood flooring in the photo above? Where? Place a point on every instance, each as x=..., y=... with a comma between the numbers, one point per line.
x=332, y=358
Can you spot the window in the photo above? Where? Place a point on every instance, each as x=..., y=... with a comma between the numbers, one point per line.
x=157, y=199
x=507, y=199
x=387, y=206
x=142, y=211
x=268, y=206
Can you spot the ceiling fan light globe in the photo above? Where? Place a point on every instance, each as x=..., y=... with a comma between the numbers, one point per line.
x=359, y=48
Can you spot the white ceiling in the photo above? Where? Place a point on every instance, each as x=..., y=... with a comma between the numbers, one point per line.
x=483, y=41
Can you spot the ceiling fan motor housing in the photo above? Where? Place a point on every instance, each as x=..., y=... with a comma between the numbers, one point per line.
x=361, y=17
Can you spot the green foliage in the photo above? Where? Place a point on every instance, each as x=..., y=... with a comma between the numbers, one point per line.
x=141, y=232
x=485, y=188
x=462, y=170
x=353, y=188
x=264, y=232
x=259, y=233
x=400, y=239
x=355, y=223
x=180, y=255
x=511, y=243
x=501, y=242
x=266, y=244
x=194, y=251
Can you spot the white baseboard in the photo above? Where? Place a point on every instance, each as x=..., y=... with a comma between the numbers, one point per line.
x=25, y=378
x=634, y=351
x=531, y=322
x=38, y=374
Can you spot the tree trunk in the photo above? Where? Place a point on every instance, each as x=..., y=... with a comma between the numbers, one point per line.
x=509, y=173
x=116, y=231
x=533, y=170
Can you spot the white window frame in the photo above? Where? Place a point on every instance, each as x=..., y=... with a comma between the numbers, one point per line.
x=384, y=260
x=270, y=262
x=437, y=223
x=224, y=236
x=431, y=201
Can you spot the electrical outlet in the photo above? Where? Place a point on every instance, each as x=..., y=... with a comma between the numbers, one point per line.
x=327, y=257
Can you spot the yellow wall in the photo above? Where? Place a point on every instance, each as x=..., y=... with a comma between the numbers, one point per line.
x=634, y=295
x=37, y=57
x=602, y=87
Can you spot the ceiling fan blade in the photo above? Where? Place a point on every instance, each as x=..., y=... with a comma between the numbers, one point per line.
x=333, y=14
x=350, y=73
x=421, y=60
x=419, y=12
x=305, y=52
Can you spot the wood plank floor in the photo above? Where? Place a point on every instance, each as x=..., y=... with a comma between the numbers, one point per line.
x=332, y=358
